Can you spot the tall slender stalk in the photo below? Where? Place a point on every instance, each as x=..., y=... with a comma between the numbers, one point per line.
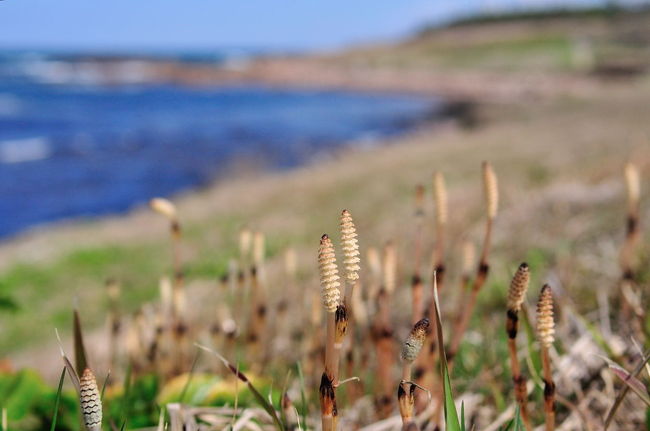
x=440, y=199
x=382, y=337
x=630, y=303
x=382, y=331
x=114, y=320
x=516, y=296
x=419, y=224
x=168, y=209
x=406, y=389
x=329, y=280
x=491, y=192
x=546, y=336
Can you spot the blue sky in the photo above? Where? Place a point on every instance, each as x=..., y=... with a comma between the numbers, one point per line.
x=204, y=24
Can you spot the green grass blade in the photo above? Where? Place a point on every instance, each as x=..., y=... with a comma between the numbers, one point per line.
x=462, y=416
x=189, y=377
x=283, y=416
x=303, y=397
x=517, y=423
x=451, y=414
x=108, y=376
x=126, y=404
x=57, y=400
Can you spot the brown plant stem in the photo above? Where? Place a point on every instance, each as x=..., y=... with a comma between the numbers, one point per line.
x=549, y=391
x=519, y=381
x=481, y=275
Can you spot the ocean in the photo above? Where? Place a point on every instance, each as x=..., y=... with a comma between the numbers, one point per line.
x=73, y=146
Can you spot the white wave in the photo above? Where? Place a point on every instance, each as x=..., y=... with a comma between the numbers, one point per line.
x=24, y=150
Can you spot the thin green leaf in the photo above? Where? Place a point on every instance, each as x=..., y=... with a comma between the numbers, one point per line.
x=518, y=425
x=462, y=415
x=189, y=377
x=58, y=399
x=303, y=397
x=126, y=398
x=451, y=414
x=263, y=402
x=108, y=376
x=283, y=416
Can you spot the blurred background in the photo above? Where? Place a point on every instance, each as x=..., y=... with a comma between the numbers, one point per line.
x=269, y=118
x=105, y=106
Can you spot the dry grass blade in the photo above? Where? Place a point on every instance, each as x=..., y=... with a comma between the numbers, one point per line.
x=626, y=389
x=631, y=381
x=80, y=356
x=56, y=402
x=68, y=365
x=242, y=377
x=161, y=420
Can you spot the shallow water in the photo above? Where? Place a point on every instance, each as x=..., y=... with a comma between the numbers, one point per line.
x=73, y=150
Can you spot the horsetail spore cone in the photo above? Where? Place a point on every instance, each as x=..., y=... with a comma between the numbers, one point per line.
x=164, y=207
x=491, y=189
x=414, y=342
x=545, y=323
x=440, y=198
x=86, y=386
x=329, y=275
x=350, y=246
x=91, y=404
x=390, y=268
x=518, y=287
x=412, y=346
